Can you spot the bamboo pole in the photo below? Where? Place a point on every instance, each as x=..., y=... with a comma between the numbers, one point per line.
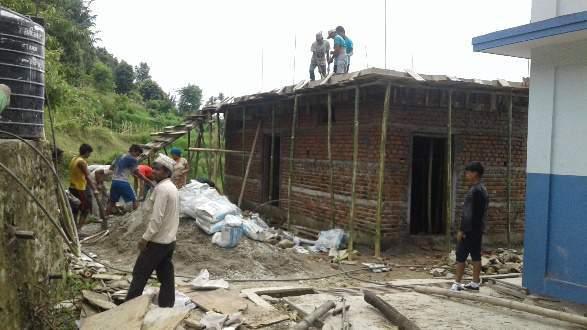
x=189, y=159
x=242, y=194
x=214, y=150
x=223, y=163
x=211, y=156
x=558, y=315
x=430, y=160
x=198, y=145
x=330, y=165
x=354, y=178
x=219, y=156
x=449, y=176
x=390, y=313
x=382, y=146
x=291, y=155
x=509, y=173
x=243, y=137
x=272, y=154
x=206, y=155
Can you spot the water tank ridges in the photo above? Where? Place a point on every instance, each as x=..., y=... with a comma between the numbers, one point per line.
x=22, y=68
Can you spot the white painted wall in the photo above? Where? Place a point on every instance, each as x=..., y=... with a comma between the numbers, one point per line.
x=557, y=120
x=545, y=9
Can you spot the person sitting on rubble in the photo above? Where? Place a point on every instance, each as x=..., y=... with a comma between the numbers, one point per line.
x=320, y=56
x=470, y=234
x=158, y=242
x=124, y=166
x=348, y=46
x=80, y=185
x=339, y=53
x=181, y=170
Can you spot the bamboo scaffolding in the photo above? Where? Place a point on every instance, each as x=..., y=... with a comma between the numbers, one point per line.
x=198, y=145
x=243, y=137
x=429, y=199
x=354, y=178
x=242, y=194
x=224, y=158
x=449, y=176
x=211, y=156
x=330, y=165
x=509, y=174
x=189, y=158
x=382, y=149
x=221, y=151
x=290, y=160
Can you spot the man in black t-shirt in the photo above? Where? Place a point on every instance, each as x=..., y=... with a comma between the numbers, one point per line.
x=470, y=234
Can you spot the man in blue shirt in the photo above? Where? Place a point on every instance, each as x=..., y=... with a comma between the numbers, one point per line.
x=339, y=54
x=348, y=45
x=122, y=167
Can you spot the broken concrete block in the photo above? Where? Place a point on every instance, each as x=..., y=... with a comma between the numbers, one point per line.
x=438, y=272
x=164, y=318
x=98, y=299
x=285, y=244
x=128, y=316
x=485, y=262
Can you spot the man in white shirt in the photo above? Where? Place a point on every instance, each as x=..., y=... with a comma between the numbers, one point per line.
x=320, y=56
x=158, y=241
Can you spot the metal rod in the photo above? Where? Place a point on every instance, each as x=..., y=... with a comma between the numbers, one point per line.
x=331, y=165
x=382, y=149
x=272, y=154
x=354, y=177
x=290, y=160
x=449, y=176
x=242, y=194
x=509, y=173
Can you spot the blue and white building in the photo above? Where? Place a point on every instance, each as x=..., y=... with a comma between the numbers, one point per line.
x=555, y=261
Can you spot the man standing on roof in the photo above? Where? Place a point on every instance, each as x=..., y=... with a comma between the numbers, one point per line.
x=320, y=56
x=339, y=53
x=158, y=242
x=124, y=166
x=348, y=45
x=80, y=185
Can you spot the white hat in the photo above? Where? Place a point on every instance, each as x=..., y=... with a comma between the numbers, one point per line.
x=165, y=161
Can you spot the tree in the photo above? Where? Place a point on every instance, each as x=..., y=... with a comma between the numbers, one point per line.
x=190, y=98
x=103, y=78
x=150, y=90
x=124, y=76
x=142, y=72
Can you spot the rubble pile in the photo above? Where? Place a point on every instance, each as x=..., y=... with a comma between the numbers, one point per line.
x=498, y=261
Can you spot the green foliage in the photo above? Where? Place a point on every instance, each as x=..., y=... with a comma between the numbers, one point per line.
x=124, y=77
x=150, y=90
x=190, y=98
x=142, y=72
x=103, y=78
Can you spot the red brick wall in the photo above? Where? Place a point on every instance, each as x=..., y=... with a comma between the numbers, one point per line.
x=479, y=134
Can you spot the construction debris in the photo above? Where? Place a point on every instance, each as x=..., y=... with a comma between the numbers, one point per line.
x=307, y=322
x=389, y=312
x=128, y=316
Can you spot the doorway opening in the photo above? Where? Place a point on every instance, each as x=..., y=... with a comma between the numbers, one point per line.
x=271, y=182
x=428, y=193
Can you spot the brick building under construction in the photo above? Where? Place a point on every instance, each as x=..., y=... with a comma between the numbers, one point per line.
x=333, y=128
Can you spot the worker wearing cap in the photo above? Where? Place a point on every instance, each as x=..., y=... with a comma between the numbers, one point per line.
x=181, y=169
x=158, y=242
x=320, y=56
x=339, y=54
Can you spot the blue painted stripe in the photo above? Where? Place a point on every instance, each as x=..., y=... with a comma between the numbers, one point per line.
x=537, y=30
x=555, y=260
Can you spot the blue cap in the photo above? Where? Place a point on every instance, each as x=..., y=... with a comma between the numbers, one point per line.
x=176, y=151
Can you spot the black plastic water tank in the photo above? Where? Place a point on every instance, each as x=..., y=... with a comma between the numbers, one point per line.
x=22, y=68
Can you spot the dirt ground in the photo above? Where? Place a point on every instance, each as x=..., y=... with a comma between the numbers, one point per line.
x=251, y=259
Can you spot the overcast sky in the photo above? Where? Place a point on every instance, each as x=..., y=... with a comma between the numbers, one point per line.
x=218, y=44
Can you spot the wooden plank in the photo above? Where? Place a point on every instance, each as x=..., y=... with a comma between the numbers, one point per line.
x=503, y=83
x=327, y=79
x=509, y=174
x=331, y=165
x=415, y=75
x=290, y=161
x=449, y=176
x=217, y=150
x=220, y=300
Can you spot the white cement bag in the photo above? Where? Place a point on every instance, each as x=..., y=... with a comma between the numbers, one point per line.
x=209, y=227
x=231, y=234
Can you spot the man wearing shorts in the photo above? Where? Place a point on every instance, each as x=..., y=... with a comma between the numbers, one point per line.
x=470, y=234
x=122, y=168
x=79, y=182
